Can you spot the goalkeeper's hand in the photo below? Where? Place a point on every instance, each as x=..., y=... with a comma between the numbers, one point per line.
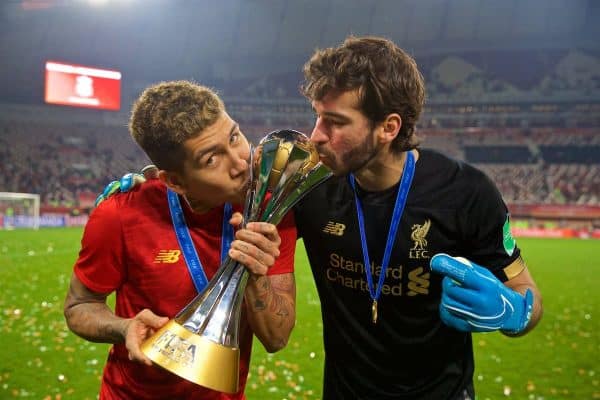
x=127, y=182
x=474, y=300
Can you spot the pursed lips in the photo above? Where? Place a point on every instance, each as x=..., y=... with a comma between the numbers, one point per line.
x=324, y=156
x=245, y=184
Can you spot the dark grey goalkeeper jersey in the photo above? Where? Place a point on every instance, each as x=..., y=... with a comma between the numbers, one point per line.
x=410, y=353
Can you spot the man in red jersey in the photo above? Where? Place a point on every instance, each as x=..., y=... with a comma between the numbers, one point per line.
x=131, y=245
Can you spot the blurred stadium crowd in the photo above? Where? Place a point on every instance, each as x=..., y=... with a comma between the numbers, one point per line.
x=69, y=164
x=507, y=90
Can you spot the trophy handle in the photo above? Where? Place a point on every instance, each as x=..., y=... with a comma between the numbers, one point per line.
x=313, y=178
x=267, y=158
x=287, y=178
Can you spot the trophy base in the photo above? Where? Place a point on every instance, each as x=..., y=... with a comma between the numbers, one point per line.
x=194, y=357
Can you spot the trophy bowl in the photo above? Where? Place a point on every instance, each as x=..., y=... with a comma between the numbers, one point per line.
x=201, y=343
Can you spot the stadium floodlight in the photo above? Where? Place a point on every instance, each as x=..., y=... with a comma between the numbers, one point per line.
x=19, y=210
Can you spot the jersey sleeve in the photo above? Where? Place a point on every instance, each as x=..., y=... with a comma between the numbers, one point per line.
x=287, y=232
x=100, y=263
x=486, y=222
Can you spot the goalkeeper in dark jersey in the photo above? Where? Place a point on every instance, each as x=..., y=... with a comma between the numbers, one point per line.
x=411, y=251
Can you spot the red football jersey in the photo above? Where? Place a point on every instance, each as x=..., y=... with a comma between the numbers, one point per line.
x=129, y=246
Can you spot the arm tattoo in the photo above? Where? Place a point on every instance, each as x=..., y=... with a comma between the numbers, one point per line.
x=259, y=305
x=110, y=332
x=272, y=299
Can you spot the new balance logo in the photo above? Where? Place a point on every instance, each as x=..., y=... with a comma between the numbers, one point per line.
x=167, y=256
x=334, y=228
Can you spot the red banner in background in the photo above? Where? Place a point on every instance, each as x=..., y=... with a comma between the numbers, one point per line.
x=554, y=211
x=87, y=199
x=80, y=86
x=556, y=233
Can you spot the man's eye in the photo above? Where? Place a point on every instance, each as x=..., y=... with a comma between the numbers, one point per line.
x=211, y=160
x=234, y=137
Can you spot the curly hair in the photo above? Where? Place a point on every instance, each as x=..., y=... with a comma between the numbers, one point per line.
x=387, y=79
x=169, y=113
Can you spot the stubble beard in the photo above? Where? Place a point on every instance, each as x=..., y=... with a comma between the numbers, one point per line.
x=357, y=158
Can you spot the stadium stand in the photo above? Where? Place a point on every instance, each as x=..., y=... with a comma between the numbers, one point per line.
x=520, y=99
x=70, y=162
x=65, y=163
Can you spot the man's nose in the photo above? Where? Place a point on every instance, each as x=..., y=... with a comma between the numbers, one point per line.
x=318, y=134
x=239, y=162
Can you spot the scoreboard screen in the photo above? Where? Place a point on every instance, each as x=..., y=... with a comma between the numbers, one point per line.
x=80, y=86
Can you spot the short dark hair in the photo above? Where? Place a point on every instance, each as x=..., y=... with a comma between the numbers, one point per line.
x=169, y=113
x=387, y=79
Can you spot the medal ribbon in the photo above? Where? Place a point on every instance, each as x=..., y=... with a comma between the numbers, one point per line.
x=405, y=182
x=185, y=240
x=227, y=231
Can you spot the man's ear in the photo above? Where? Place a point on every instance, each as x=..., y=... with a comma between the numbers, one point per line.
x=172, y=180
x=389, y=128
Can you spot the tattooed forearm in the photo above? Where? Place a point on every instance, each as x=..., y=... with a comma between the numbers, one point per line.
x=264, y=294
x=271, y=304
x=111, y=333
x=268, y=295
x=88, y=315
x=95, y=322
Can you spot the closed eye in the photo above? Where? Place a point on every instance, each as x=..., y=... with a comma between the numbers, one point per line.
x=333, y=122
x=234, y=137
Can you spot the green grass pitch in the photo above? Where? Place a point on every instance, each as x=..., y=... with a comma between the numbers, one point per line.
x=41, y=359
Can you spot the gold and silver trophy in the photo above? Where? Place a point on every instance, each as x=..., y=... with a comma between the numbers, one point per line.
x=201, y=343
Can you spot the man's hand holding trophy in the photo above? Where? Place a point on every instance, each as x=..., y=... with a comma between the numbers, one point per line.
x=201, y=343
